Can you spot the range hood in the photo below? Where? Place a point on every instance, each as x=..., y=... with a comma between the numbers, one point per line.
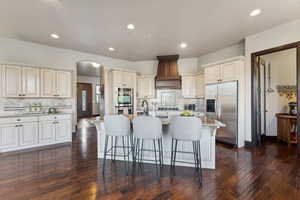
x=167, y=73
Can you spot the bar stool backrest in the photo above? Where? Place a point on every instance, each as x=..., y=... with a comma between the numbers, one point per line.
x=147, y=127
x=186, y=128
x=116, y=125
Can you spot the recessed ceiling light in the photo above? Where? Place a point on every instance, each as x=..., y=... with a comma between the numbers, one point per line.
x=183, y=45
x=130, y=26
x=111, y=49
x=96, y=65
x=55, y=36
x=255, y=12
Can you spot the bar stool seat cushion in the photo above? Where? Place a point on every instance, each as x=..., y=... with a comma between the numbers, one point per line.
x=147, y=127
x=186, y=128
x=117, y=125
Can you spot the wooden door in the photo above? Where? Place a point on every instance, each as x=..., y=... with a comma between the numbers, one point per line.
x=31, y=82
x=84, y=100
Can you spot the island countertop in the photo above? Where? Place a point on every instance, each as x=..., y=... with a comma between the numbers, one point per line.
x=208, y=143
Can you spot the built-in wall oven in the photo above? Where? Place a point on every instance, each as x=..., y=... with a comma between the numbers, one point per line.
x=124, y=101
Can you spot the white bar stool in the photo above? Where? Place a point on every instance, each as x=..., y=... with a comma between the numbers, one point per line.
x=147, y=128
x=115, y=127
x=186, y=129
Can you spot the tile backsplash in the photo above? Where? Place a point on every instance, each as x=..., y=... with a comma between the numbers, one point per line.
x=172, y=98
x=17, y=106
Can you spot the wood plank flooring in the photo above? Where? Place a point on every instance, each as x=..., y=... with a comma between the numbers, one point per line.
x=74, y=172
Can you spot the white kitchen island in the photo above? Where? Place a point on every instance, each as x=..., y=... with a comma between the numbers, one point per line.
x=208, y=145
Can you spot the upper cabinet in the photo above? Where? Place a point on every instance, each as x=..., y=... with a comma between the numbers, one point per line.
x=228, y=70
x=56, y=83
x=193, y=86
x=146, y=87
x=64, y=84
x=34, y=82
x=123, y=79
x=20, y=81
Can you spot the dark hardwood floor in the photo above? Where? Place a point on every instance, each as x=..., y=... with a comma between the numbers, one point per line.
x=74, y=172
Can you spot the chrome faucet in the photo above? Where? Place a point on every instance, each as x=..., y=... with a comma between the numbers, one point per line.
x=146, y=109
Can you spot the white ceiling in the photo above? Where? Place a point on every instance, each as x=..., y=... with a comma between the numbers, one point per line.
x=94, y=25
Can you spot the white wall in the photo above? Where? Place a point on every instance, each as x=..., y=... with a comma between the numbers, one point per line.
x=277, y=36
x=26, y=53
x=283, y=71
x=94, y=81
x=229, y=52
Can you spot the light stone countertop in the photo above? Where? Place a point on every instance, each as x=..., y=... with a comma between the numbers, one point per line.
x=33, y=115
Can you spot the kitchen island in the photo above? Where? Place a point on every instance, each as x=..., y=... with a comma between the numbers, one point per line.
x=208, y=145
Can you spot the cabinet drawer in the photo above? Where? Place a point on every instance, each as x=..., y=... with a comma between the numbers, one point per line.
x=55, y=117
x=12, y=120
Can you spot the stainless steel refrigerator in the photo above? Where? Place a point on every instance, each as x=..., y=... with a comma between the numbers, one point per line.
x=222, y=104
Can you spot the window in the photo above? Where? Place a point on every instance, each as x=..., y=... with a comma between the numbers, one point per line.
x=98, y=93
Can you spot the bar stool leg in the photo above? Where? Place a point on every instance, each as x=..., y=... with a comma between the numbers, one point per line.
x=200, y=166
x=159, y=151
x=172, y=151
x=105, y=152
x=174, y=160
x=162, y=152
x=154, y=145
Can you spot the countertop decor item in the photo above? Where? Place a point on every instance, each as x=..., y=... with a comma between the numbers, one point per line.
x=289, y=91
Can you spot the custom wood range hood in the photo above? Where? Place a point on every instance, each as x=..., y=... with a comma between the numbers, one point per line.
x=167, y=73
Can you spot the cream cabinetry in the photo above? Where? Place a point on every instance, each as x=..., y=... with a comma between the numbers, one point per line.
x=146, y=87
x=123, y=79
x=227, y=71
x=20, y=81
x=26, y=132
x=56, y=83
x=23, y=82
x=192, y=86
x=200, y=86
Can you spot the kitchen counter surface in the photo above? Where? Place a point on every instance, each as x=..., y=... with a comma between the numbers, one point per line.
x=32, y=115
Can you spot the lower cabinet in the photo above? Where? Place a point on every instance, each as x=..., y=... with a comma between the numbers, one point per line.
x=62, y=130
x=46, y=132
x=21, y=133
x=9, y=136
x=28, y=133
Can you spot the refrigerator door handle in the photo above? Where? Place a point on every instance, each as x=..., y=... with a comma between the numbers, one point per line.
x=219, y=108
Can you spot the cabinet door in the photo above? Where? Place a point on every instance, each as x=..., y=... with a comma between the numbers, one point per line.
x=30, y=82
x=117, y=79
x=229, y=71
x=63, y=130
x=212, y=74
x=46, y=132
x=28, y=133
x=9, y=136
x=64, y=84
x=200, y=86
x=151, y=88
x=12, y=81
x=189, y=87
x=141, y=83
x=48, y=83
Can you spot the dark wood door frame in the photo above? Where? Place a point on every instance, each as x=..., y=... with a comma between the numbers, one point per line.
x=254, y=77
x=89, y=103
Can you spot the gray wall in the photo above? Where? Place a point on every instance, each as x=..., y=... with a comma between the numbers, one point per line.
x=229, y=52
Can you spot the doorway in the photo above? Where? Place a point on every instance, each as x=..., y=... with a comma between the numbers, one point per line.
x=275, y=84
x=84, y=100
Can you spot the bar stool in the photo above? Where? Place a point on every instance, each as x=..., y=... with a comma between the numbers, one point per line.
x=147, y=128
x=115, y=127
x=186, y=129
